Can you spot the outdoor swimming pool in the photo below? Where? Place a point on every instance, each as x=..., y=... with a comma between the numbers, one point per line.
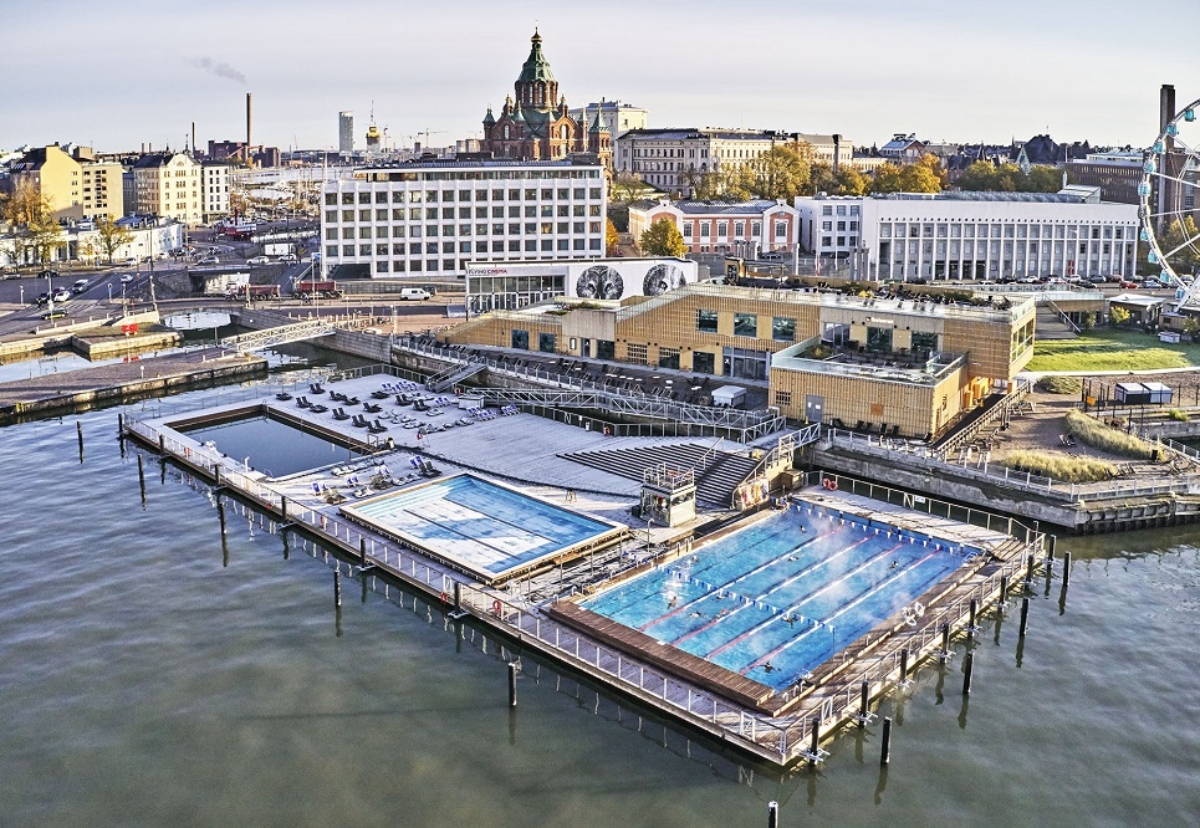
x=778, y=598
x=479, y=526
x=271, y=446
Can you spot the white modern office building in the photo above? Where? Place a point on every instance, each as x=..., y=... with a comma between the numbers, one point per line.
x=963, y=235
x=430, y=218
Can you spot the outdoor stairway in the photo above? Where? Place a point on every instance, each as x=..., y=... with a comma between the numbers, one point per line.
x=451, y=377
x=714, y=484
x=1049, y=326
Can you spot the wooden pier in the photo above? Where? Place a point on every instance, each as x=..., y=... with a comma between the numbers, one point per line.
x=122, y=381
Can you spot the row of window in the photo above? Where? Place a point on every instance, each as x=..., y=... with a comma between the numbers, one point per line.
x=739, y=229
x=432, y=213
x=996, y=230
x=434, y=196
x=841, y=209
x=505, y=174
x=417, y=231
x=430, y=248
x=783, y=328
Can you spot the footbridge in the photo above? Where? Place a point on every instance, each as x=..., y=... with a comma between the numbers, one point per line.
x=291, y=332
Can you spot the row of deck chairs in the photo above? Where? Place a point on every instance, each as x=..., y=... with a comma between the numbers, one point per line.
x=340, y=397
x=399, y=386
x=508, y=411
x=481, y=414
x=315, y=389
x=316, y=408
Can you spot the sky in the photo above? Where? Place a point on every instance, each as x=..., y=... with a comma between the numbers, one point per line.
x=127, y=73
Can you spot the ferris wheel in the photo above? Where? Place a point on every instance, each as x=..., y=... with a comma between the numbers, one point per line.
x=1170, y=209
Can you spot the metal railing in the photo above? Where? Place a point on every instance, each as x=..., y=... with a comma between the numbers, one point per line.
x=1062, y=315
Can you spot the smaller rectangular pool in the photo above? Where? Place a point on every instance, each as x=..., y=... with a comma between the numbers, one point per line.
x=479, y=527
x=270, y=446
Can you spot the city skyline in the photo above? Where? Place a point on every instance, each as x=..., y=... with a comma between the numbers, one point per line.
x=941, y=72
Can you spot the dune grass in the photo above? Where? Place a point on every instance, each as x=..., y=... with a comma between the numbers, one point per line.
x=1106, y=438
x=1060, y=385
x=1062, y=467
x=1111, y=350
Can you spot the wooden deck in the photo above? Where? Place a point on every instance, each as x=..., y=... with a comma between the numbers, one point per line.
x=103, y=384
x=702, y=673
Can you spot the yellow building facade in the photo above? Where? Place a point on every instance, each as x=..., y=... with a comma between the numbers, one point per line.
x=906, y=366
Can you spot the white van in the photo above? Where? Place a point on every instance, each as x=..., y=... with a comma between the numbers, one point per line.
x=80, y=286
x=418, y=294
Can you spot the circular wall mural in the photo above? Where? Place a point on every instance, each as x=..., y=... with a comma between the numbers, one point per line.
x=600, y=282
x=662, y=278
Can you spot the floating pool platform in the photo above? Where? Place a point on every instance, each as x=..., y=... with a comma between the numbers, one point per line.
x=488, y=531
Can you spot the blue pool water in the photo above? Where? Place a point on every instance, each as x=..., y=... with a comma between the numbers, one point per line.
x=480, y=525
x=776, y=599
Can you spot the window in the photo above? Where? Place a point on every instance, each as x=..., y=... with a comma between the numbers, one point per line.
x=783, y=398
x=668, y=358
x=780, y=229
x=546, y=343
x=706, y=321
x=745, y=324
x=520, y=339
x=635, y=354
x=783, y=329
x=704, y=362
x=606, y=349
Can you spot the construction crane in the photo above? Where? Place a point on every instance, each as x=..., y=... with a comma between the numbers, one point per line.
x=427, y=132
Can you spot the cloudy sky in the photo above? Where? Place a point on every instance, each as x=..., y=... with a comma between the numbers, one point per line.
x=129, y=72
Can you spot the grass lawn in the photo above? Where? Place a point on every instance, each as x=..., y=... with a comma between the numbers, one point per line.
x=1110, y=350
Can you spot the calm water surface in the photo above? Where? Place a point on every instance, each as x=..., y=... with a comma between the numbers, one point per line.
x=151, y=677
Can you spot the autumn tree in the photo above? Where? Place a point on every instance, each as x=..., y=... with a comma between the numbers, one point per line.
x=662, y=238
x=111, y=236
x=846, y=181
x=1010, y=178
x=612, y=239
x=780, y=172
x=887, y=179
x=32, y=215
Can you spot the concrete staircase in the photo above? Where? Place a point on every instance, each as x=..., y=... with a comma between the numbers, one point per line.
x=714, y=484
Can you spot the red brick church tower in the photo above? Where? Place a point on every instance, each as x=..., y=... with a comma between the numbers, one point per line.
x=535, y=125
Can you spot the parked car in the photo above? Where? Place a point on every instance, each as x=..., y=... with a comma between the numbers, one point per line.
x=1127, y=284
x=414, y=294
x=772, y=256
x=48, y=274
x=1151, y=284
x=289, y=258
x=258, y=260
x=209, y=260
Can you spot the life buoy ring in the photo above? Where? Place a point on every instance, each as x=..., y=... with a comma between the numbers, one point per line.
x=607, y=431
x=496, y=607
x=187, y=450
x=830, y=484
x=445, y=598
x=911, y=620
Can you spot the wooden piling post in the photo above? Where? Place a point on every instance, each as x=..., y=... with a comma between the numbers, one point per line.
x=337, y=589
x=221, y=514
x=862, y=703
x=362, y=550
x=944, y=655
x=816, y=739
x=904, y=665
x=283, y=507
x=1024, y=617
x=458, y=595
x=1003, y=589
x=142, y=475
x=885, y=751
x=1066, y=569
x=1030, y=565
x=79, y=434
x=162, y=444
x=120, y=426
x=974, y=609
x=512, y=684
x=772, y=814
x=967, y=667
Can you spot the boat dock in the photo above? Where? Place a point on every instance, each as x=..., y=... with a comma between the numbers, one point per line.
x=122, y=381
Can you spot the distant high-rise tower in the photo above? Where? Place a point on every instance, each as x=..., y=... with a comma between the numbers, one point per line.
x=346, y=132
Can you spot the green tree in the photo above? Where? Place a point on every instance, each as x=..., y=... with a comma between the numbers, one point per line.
x=111, y=236
x=979, y=176
x=662, y=238
x=1045, y=179
x=1182, y=238
x=628, y=187
x=612, y=239
x=737, y=183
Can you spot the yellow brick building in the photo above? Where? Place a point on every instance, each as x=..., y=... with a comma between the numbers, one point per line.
x=903, y=365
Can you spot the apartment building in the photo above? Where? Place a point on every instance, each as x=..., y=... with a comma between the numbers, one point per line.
x=169, y=185
x=672, y=159
x=76, y=185
x=214, y=185
x=430, y=218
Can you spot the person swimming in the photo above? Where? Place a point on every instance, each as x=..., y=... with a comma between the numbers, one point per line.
x=769, y=667
x=895, y=564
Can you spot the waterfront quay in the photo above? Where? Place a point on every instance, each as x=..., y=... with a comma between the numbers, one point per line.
x=121, y=381
x=346, y=506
